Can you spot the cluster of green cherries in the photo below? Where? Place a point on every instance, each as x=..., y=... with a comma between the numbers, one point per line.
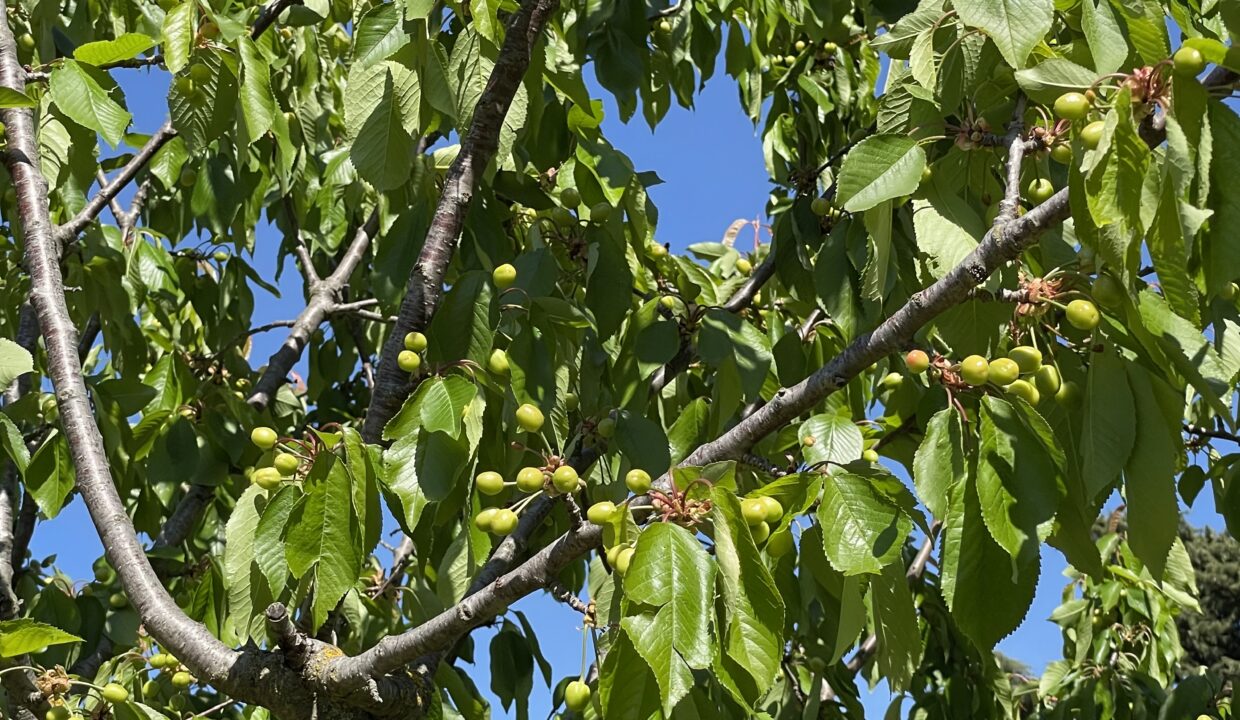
x=410, y=359
x=284, y=465
x=114, y=693
x=1188, y=62
x=561, y=479
x=1021, y=373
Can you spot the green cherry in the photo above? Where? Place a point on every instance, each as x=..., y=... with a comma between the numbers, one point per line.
x=1003, y=371
x=1024, y=390
x=504, y=276
x=1091, y=134
x=504, y=522
x=753, y=510
x=624, y=558
x=267, y=478
x=1188, y=62
x=1083, y=315
x=485, y=518
x=1072, y=106
x=530, y=418
x=637, y=481
x=409, y=361
x=264, y=437
x=565, y=479
x=601, y=513
x=577, y=696
x=530, y=479
x=489, y=483
x=114, y=693
x=974, y=370
x=415, y=341
x=1027, y=357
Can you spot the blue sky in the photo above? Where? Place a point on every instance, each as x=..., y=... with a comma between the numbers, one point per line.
x=711, y=162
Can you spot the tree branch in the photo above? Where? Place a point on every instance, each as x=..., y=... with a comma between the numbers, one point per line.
x=322, y=301
x=268, y=15
x=426, y=280
x=181, y=522
x=1003, y=243
x=108, y=191
x=438, y=633
x=299, y=247
x=248, y=675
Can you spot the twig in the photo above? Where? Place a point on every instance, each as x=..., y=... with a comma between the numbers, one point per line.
x=63, y=234
x=560, y=592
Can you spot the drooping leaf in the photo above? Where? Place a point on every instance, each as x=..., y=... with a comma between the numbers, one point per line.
x=863, y=530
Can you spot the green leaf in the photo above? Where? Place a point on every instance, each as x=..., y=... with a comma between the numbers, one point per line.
x=22, y=636
x=179, y=29
x=438, y=405
x=89, y=97
x=836, y=439
x=208, y=110
x=245, y=596
x=942, y=239
x=49, y=477
x=895, y=626
x=15, y=361
x=670, y=571
x=1016, y=26
x=939, y=462
x=269, y=551
x=879, y=168
x=1149, y=475
x=321, y=536
x=1192, y=354
x=124, y=47
x=1169, y=250
x=1117, y=168
x=1221, y=263
x=1017, y=482
x=1104, y=34
x=13, y=444
x=383, y=149
x=753, y=625
x=379, y=34
x=987, y=592
x=627, y=685
x=1109, y=428
x=642, y=441
x=258, y=103
x=867, y=529
x=1051, y=78
x=10, y=98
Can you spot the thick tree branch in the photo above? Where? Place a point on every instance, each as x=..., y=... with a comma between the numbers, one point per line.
x=108, y=191
x=1010, y=204
x=249, y=675
x=323, y=295
x=426, y=280
x=1002, y=243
